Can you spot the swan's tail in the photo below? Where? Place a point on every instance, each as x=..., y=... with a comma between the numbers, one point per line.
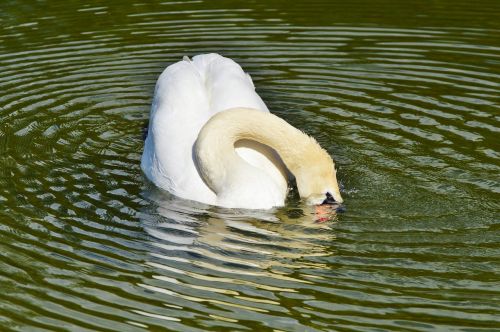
x=227, y=85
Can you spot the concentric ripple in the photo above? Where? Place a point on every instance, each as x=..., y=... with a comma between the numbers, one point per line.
x=405, y=96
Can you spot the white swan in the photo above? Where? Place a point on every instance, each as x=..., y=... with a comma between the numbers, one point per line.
x=212, y=139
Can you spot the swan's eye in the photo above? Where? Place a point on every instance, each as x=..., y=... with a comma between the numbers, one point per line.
x=329, y=199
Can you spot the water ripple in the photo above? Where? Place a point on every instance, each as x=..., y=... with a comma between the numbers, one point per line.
x=409, y=112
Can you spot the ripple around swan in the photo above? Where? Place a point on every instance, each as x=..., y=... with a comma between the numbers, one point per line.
x=410, y=115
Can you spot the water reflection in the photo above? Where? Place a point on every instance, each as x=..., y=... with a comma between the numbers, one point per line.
x=239, y=259
x=289, y=232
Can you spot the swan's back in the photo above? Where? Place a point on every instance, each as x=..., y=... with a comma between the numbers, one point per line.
x=187, y=94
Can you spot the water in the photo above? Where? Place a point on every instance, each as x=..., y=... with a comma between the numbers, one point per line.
x=404, y=95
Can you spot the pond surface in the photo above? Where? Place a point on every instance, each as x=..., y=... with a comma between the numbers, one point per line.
x=403, y=94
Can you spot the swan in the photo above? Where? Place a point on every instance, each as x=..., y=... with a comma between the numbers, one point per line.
x=212, y=139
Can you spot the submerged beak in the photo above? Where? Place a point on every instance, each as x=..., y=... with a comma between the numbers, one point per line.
x=327, y=209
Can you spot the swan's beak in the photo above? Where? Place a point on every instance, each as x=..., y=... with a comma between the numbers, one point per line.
x=327, y=209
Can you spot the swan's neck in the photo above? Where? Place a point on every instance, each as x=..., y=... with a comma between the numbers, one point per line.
x=217, y=160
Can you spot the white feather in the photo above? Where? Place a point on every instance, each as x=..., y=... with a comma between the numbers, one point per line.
x=186, y=96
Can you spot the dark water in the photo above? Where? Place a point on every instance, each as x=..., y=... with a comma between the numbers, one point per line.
x=404, y=95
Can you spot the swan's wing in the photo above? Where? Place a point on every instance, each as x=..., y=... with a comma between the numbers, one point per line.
x=228, y=86
x=180, y=108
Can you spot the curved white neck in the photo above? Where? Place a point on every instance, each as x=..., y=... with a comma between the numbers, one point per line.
x=217, y=158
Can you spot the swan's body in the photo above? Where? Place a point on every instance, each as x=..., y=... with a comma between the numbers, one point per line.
x=212, y=139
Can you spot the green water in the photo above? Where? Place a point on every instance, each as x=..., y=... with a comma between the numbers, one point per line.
x=403, y=94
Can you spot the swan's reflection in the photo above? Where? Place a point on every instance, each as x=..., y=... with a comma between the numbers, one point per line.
x=258, y=237
x=210, y=258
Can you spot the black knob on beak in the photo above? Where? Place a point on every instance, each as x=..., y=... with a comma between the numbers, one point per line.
x=329, y=199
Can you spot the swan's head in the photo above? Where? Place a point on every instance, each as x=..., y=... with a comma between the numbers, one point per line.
x=317, y=181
